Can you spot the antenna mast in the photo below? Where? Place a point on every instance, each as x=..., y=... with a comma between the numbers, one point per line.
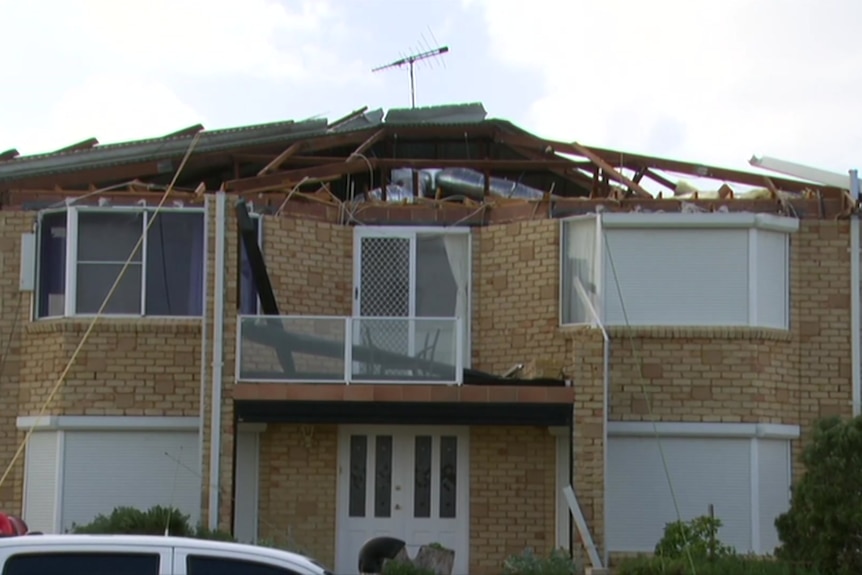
x=409, y=61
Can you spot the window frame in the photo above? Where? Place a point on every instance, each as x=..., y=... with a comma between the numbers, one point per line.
x=70, y=303
x=413, y=233
x=566, y=285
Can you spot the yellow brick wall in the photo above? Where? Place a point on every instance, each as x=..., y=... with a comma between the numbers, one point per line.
x=310, y=264
x=703, y=374
x=588, y=445
x=512, y=494
x=141, y=367
x=14, y=314
x=516, y=298
x=298, y=488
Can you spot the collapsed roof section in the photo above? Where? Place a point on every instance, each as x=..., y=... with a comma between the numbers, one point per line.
x=444, y=154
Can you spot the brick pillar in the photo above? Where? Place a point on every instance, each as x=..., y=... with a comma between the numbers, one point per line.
x=588, y=452
x=228, y=427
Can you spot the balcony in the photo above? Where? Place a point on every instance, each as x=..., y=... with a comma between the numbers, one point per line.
x=349, y=350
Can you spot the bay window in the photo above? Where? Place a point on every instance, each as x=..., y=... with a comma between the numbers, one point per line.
x=676, y=269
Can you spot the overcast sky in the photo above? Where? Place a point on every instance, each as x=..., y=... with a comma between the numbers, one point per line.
x=705, y=80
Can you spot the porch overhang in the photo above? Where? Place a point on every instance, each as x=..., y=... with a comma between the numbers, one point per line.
x=403, y=404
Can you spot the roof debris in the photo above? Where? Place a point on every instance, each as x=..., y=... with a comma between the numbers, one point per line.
x=452, y=153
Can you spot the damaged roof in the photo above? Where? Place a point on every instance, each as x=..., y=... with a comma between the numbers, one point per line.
x=89, y=154
x=360, y=153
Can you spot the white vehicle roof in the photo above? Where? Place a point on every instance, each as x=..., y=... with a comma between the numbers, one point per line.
x=36, y=541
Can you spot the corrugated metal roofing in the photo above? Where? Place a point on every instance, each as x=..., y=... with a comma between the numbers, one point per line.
x=154, y=149
x=473, y=113
x=284, y=132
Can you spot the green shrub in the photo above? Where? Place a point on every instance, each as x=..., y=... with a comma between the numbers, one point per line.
x=404, y=568
x=697, y=538
x=153, y=521
x=726, y=565
x=823, y=526
x=558, y=562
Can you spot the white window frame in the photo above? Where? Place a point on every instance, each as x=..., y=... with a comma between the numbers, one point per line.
x=753, y=222
x=412, y=233
x=70, y=285
x=596, y=305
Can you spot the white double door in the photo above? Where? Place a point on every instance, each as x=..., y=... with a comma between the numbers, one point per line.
x=406, y=482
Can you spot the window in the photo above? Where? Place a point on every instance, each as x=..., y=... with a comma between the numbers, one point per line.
x=579, y=285
x=419, y=273
x=249, y=299
x=677, y=269
x=202, y=565
x=82, y=563
x=82, y=250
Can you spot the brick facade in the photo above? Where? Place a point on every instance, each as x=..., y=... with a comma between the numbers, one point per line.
x=516, y=297
x=512, y=494
x=153, y=367
x=14, y=316
x=298, y=482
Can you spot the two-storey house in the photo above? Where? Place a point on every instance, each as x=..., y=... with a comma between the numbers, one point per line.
x=425, y=323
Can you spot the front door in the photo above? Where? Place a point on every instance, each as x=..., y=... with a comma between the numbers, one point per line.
x=405, y=482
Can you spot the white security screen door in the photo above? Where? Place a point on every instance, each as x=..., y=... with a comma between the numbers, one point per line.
x=420, y=279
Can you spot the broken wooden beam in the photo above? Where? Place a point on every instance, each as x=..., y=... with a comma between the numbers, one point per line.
x=279, y=159
x=661, y=180
x=287, y=178
x=372, y=139
x=609, y=170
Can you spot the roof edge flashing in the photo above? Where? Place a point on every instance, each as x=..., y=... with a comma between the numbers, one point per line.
x=715, y=220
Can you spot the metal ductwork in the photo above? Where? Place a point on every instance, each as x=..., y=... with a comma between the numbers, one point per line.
x=471, y=183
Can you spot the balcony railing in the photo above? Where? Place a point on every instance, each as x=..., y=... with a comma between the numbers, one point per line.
x=327, y=349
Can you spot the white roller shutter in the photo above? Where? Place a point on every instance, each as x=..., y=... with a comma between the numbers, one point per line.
x=771, y=279
x=676, y=277
x=703, y=471
x=108, y=469
x=41, y=474
x=773, y=488
x=246, y=486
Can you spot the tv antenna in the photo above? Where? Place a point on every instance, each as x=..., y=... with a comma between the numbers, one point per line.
x=409, y=61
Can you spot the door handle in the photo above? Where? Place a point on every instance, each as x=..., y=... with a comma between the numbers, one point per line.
x=397, y=507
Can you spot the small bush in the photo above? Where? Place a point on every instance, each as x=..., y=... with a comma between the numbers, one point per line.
x=404, y=568
x=558, y=562
x=698, y=538
x=153, y=521
x=727, y=565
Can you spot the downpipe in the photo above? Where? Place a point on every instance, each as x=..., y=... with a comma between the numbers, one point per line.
x=217, y=362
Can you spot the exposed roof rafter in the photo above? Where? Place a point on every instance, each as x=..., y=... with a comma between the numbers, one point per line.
x=637, y=162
